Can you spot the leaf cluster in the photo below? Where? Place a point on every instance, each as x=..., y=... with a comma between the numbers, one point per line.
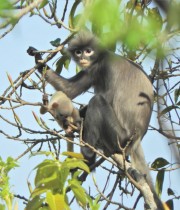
x=54, y=179
x=5, y=191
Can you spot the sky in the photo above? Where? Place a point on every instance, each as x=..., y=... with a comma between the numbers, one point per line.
x=32, y=31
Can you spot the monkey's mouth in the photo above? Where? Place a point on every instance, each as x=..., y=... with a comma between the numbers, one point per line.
x=84, y=63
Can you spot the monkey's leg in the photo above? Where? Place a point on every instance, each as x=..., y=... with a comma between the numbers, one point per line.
x=101, y=129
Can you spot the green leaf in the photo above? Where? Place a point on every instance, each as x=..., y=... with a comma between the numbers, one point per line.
x=50, y=200
x=176, y=94
x=56, y=42
x=155, y=18
x=168, y=109
x=44, y=124
x=130, y=5
x=22, y=1
x=62, y=62
x=76, y=174
x=78, y=69
x=63, y=175
x=72, y=17
x=76, y=20
x=74, y=163
x=98, y=13
x=159, y=163
x=11, y=164
x=44, y=163
x=159, y=182
x=90, y=202
x=38, y=191
x=35, y=203
x=47, y=177
x=44, y=208
x=47, y=174
x=66, y=63
x=93, y=204
x=5, y=5
x=2, y=207
x=170, y=204
x=36, y=118
x=78, y=191
x=5, y=167
x=56, y=202
x=43, y=4
x=74, y=155
x=170, y=191
x=46, y=153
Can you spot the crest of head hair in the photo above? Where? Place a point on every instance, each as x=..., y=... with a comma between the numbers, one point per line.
x=83, y=39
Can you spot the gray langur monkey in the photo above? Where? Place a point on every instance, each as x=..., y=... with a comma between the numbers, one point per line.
x=62, y=109
x=120, y=111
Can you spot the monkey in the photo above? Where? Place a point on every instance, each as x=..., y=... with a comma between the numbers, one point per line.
x=119, y=112
x=62, y=109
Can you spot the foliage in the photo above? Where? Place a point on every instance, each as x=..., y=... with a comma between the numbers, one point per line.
x=5, y=193
x=142, y=31
x=134, y=31
x=54, y=179
x=5, y=5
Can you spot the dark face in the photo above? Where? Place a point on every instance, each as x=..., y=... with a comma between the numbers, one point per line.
x=84, y=49
x=84, y=57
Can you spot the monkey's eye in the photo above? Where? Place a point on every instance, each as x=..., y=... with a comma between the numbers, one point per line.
x=78, y=53
x=88, y=52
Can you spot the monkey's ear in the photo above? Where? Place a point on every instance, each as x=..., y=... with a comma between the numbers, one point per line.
x=55, y=105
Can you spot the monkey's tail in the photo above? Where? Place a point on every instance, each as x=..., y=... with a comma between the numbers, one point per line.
x=139, y=163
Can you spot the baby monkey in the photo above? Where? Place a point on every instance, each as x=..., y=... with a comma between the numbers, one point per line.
x=62, y=109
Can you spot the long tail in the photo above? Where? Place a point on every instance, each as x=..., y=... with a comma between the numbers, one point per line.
x=139, y=163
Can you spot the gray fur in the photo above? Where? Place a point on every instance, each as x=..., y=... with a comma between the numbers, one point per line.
x=122, y=105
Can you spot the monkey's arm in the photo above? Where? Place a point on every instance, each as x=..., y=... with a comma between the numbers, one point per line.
x=72, y=87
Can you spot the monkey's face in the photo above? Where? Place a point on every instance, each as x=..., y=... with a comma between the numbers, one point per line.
x=84, y=57
x=84, y=49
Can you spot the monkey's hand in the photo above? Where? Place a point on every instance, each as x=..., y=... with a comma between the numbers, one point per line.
x=69, y=132
x=69, y=127
x=44, y=108
x=45, y=99
x=31, y=51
